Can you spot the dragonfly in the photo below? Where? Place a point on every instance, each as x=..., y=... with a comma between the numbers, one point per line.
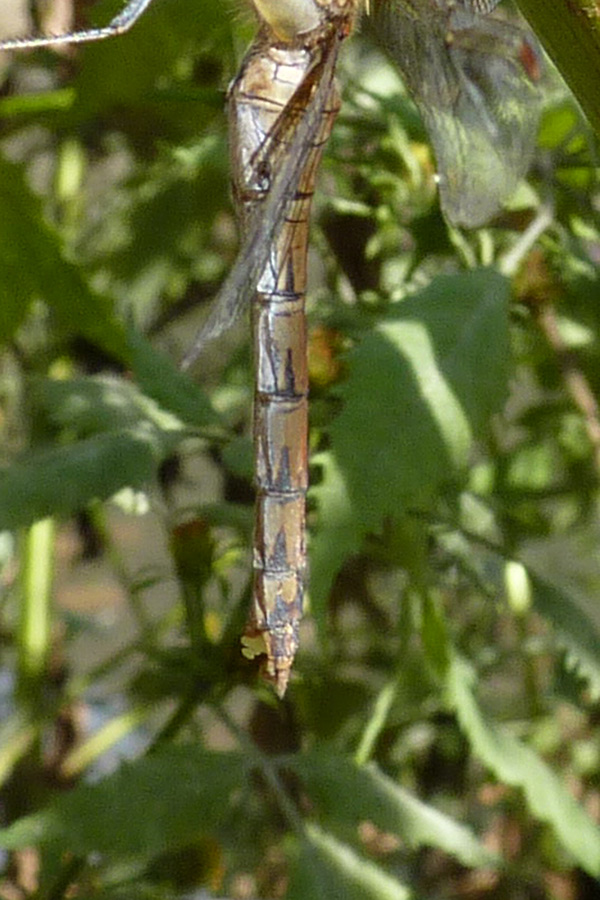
x=474, y=77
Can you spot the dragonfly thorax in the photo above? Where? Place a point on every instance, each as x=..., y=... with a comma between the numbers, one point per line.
x=289, y=18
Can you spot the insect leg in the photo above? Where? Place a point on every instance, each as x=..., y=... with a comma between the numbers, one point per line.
x=121, y=23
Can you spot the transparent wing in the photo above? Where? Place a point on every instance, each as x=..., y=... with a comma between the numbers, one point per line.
x=285, y=157
x=478, y=6
x=473, y=78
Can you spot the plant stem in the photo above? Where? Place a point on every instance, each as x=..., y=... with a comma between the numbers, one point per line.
x=35, y=617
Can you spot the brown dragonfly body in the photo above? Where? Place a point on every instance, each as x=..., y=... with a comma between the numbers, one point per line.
x=274, y=89
x=473, y=78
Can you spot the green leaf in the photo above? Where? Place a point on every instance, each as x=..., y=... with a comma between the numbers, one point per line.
x=161, y=801
x=434, y=633
x=570, y=32
x=159, y=378
x=420, y=387
x=124, y=73
x=345, y=794
x=575, y=621
x=516, y=764
x=113, y=436
x=564, y=574
x=24, y=235
x=61, y=480
x=33, y=267
x=338, y=533
x=328, y=868
x=81, y=407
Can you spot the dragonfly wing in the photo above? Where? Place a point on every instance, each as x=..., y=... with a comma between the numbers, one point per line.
x=474, y=80
x=479, y=6
x=287, y=153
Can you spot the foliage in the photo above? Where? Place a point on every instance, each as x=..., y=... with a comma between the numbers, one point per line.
x=440, y=733
x=570, y=32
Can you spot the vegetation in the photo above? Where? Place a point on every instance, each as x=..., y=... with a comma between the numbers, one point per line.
x=440, y=736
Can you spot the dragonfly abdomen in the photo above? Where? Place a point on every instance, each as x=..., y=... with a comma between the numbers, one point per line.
x=267, y=102
x=280, y=438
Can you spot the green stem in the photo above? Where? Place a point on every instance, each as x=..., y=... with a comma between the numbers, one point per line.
x=268, y=770
x=35, y=613
x=376, y=724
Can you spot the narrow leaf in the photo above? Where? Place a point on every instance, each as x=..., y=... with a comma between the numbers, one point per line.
x=34, y=267
x=565, y=594
x=328, y=868
x=346, y=794
x=516, y=764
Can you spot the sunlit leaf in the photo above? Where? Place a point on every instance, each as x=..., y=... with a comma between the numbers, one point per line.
x=421, y=386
